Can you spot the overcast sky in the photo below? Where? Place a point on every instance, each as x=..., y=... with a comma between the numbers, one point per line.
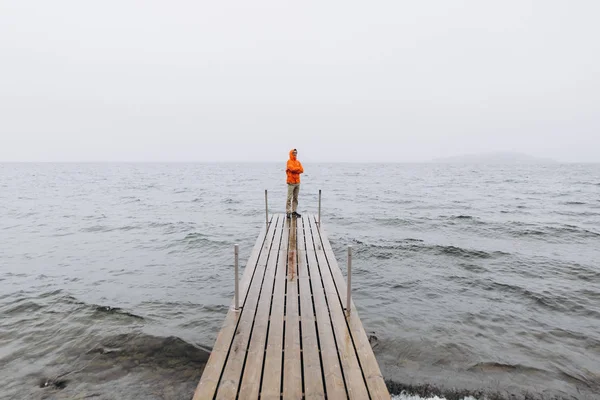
x=339, y=80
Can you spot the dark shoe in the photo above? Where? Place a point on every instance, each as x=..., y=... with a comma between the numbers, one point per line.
x=295, y=214
x=288, y=215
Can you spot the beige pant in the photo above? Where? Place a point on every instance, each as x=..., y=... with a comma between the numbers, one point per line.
x=292, y=197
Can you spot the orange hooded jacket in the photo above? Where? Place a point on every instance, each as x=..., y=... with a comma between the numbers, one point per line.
x=294, y=169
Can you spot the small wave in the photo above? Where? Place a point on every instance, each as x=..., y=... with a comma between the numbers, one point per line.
x=395, y=222
x=579, y=230
x=159, y=224
x=418, y=246
x=551, y=232
x=126, y=228
x=219, y=309
x=71, y=300
x=466, y=253
x=96, y=228
x=500, y=367
x=173, y=227
x=53, y=383
x=575, y=203
x=94, y=217
x=398, y=202
x=592, y=345
x=588, y=275
x=50, y=294
x=565, y=333
x=407, y=396
x=62, y=234
x=104, y=228
x=26, y=215
x=577, y=213
x=531, y=232
x=549, y=300
x=215, y=308
x=579, y=380
x=195, y=236
x=473, y=267
x=232, y=201
x=6, y=228
x=169, y=352
x=464, y=219
x=406, y=285
x=403, y=391
x=26, y=307
x=115, y=357
x=115, y=311
x=194, y=239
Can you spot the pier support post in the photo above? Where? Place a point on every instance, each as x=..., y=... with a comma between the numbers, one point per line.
x=349, y=287
x=237, y=285
x=319, y=221
x=266, y=208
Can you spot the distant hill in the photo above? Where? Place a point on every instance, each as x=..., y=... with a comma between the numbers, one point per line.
x=494, y=158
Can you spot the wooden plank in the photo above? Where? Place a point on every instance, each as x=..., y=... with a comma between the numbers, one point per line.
x=271, y=380
x=216, y=362
x=375, y=382
x=292, y=365
x=292, y=259
x=292, y=337
x=355, y=382
x=332, y=371
x=250, y=386
x=313, y=381
x=230, y=380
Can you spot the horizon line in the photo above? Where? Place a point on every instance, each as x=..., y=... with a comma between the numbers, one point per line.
x=539, y=162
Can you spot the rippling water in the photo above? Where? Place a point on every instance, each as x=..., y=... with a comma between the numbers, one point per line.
x=115, y=278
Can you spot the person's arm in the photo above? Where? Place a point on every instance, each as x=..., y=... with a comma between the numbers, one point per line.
x=293, y=169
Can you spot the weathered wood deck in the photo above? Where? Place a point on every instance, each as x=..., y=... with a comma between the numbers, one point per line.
x=292, y=338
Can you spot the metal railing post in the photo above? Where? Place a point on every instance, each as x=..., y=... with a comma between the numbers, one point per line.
x=319, y=208
x=266, y=208
x=349, y=287
x=237, y=286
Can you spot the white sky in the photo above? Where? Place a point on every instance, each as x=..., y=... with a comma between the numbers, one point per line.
x=339, y=80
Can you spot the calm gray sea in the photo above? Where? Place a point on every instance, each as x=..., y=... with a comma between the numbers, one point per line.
x=115, y=278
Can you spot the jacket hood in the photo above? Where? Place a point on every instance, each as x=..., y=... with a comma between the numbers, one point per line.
x=292, y=155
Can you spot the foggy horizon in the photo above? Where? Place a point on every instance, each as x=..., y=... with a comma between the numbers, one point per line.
x=308, y=161
x=341, y=82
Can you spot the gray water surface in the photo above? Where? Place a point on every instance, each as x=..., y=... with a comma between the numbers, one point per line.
x=115, y=278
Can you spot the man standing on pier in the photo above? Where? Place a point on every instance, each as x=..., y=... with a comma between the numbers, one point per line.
x=293, y=171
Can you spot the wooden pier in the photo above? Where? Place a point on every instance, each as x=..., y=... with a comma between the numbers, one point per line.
x=292, y=337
